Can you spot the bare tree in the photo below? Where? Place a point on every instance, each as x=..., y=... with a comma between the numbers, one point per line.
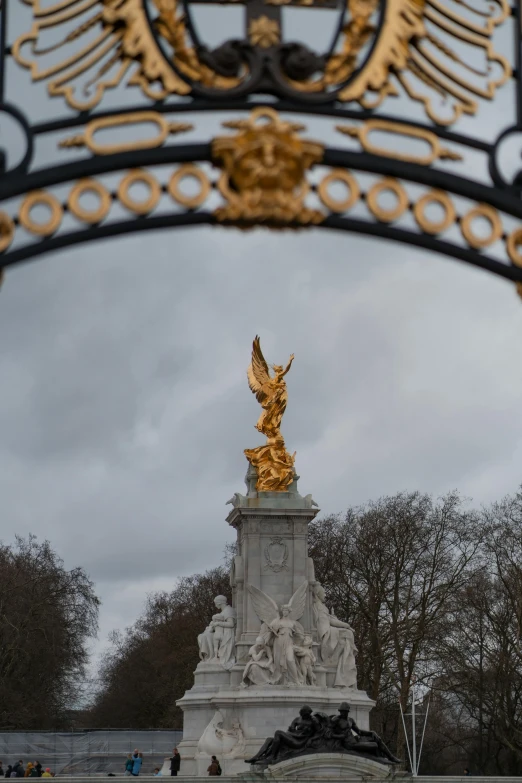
x=152, y=664
x=47, y=615
x=480, y=654
x=392, y=568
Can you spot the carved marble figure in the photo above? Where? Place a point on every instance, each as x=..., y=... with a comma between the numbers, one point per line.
x=260, y=667
x=285, y=632
x=306, y=660
x=222, y=742
x=217, y=642
x=234, y=736
x=336, y=640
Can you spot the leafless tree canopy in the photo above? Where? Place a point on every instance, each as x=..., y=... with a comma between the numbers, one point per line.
x=152, y=664
x=47, y=615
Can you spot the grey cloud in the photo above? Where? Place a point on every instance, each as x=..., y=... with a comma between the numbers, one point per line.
x=124, y=406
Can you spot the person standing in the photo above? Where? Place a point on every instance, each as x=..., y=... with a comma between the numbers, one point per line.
x=8, y=771
x=38, y=768
x=2, y=773
x=175, y=762
x=47, y=773
x=214, y=768
x=18, y=770
x=137, y=762
x=129, y=765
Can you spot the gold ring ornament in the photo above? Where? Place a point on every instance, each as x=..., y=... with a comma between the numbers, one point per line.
x=334, y=204
x=514, y=241
x=394, y=213
x=432, y=226
x=132, y=204
x=491, y=215
x=37, y=198
x=89, y=215
x=184, y=172
x=7, y=231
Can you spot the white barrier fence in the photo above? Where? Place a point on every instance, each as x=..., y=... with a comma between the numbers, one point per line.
x=87, y=753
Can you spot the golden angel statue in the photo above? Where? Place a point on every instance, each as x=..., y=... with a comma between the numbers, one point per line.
x=283, y=634
x=274, y=465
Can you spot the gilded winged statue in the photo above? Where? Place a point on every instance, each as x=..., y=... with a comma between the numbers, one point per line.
x=274, y=465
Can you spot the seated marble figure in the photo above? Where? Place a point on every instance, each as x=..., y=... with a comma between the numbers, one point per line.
x=320, y=733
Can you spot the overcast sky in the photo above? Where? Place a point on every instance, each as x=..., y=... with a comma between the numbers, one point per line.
x=124, y=407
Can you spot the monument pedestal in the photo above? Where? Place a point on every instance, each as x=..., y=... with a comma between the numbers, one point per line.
x=226, y=713
x=331, y=766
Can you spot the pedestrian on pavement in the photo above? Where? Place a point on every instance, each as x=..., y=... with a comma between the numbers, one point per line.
x=129, y=765
x=214, y=768
x=175, y=762
x=137, y=762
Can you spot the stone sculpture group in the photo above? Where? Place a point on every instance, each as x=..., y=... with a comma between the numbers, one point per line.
x=283, y=652
x=319, y=733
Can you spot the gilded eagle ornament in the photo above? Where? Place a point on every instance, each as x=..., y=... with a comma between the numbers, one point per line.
x=439, y=53
x=272, y=462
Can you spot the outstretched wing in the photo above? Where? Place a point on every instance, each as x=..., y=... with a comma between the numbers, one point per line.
x=297, y=602
x=266, y=608
x=258, y=374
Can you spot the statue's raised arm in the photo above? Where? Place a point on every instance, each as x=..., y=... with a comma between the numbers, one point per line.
x=287, y=368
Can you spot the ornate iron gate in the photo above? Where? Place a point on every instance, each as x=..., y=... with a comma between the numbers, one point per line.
x=404, y=90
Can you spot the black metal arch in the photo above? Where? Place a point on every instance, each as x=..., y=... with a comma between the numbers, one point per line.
x=504, y=200
x=202, y=218
x=501, y=195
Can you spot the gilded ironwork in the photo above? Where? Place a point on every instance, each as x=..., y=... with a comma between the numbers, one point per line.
x=428, y=225
x=363, y=132
x=491, y=216
x=272, y=462
x=264, y=171
x=89, y=185
x=144, y=206
x=7, y=231
x=348, y=180
x=391, y=214
x=264, y=32
x=423, y=49
x=514, y=242
x=46, y=227
x=189, y=171
x=117, y=121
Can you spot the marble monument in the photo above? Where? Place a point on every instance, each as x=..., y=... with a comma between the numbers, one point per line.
x=278, y=646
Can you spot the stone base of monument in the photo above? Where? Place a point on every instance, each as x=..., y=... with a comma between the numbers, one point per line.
x=232, y=723
x=331, y=766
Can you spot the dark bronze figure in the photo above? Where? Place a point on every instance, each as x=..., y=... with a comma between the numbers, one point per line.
x=283, y=743
x=320, y=733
